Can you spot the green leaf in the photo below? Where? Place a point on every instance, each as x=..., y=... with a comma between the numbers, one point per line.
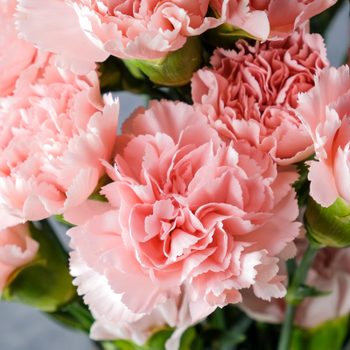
x=45, y=283
x=217, y=319
x=235, y=335
x=59, y=218
x=190, y=340
x=176, y=69
x=302, y=185
x=328, y=336
x=74, y=315
x=305, y=291
x=158, y=340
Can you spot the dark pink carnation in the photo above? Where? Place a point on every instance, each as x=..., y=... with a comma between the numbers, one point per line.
x=251, y=93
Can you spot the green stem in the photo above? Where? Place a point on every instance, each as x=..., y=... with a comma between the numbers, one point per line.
x=285, y=337
x=292, y=298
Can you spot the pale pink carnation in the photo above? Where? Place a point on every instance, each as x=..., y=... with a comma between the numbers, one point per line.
x=54, y=131
x=15, y=54
x=141, y=29
x=325, y=112
x=330, y=273
x=270, y=19
x=251, y=93
x=192, y=222
x=17, y=249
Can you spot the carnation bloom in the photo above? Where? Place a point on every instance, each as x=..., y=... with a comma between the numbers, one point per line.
x=192, y=221
x=17, y=249
x=126, y=29
x=325, y=112
x=330, y=273
x=15, y=54
x=270, y=19
x=54, y=131
x=251, y=93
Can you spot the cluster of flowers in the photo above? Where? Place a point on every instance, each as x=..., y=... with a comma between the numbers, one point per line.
x=200, y=210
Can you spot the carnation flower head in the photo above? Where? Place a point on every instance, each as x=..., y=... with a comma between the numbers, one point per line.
x=130, y=29
x=54, y=131
x=264, y=19
x=17, y=249
x=251, y=93
x=192, y=222
x=325, y=112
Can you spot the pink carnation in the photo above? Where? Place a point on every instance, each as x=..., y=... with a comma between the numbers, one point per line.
x=17, y=248
x=15, y=54
x=251, y=93
x=127, y=29
x=330, y=273
x=325, y=112
x=270, y=19
x=192, y=220
x=54, y=131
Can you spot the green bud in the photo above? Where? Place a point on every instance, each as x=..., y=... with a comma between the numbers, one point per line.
x=45, y=283
x=175, y=69
x=329, y=226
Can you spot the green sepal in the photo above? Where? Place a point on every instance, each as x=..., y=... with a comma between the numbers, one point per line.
x=329, y=335
x=175, y=69
x=328, y=226
x=226, y=35
x=45, y=283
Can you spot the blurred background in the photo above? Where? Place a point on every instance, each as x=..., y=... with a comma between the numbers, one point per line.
x=22, y=328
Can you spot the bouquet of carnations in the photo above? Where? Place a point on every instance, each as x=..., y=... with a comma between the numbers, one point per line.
x=215, y=218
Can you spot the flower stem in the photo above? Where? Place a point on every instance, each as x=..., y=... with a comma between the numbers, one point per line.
x=293, y=298
x=285, y=337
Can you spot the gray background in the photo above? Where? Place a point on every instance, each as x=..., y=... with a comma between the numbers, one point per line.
x=22, y=328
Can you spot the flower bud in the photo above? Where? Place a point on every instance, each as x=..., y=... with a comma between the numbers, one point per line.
x=329, y=226
x=175, y=69
x=44, y=282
